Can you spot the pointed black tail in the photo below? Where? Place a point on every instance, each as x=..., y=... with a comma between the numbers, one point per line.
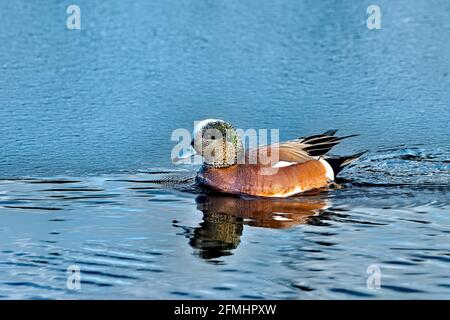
x=340, y=163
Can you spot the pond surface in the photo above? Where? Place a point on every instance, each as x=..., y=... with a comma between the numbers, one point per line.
x=86, y=178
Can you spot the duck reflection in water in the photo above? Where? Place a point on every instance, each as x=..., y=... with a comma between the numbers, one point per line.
x=224, y=217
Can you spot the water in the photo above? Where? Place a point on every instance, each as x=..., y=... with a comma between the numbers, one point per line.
x=85, y=172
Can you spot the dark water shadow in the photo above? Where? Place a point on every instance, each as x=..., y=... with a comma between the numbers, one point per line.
x=225, y=216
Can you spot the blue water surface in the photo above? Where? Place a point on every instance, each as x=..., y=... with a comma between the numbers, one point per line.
x=86, y=178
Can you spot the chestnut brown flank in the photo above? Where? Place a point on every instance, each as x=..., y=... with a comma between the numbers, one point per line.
x=250, y=179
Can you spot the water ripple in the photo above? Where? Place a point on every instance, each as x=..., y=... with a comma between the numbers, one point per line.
x=129, y=233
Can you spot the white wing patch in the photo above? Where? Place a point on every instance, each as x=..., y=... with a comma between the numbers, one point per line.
x=281, y=164
x=329, y=173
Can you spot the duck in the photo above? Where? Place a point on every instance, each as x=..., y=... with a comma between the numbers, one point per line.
x=277, y=170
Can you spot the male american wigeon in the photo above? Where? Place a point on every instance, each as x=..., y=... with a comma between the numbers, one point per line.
x=300, y=164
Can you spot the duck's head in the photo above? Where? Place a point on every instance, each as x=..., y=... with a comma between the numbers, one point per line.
x=217, y=142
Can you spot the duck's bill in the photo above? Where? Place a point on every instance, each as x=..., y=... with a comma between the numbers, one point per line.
x=188, y=156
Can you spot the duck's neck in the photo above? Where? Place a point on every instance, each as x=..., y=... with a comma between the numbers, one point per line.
x=218, y=166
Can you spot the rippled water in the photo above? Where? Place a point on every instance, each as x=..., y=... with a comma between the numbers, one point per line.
x=153, y=235
x=85, y=173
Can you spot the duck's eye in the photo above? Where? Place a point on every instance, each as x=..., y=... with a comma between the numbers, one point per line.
x=213, y=138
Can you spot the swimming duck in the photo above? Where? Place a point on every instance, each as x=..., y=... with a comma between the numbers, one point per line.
x=287, y=168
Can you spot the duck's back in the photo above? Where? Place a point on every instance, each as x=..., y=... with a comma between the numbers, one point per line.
x=259, y=180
